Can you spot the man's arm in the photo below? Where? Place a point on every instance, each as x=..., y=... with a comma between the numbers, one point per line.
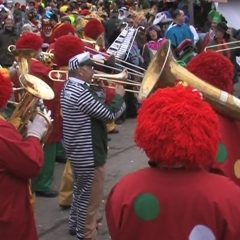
x=22, y=158
x=90, y=105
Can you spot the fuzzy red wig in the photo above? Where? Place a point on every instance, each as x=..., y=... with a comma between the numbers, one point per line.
x=29, y=41
x=5, y=89
x=60, y=30
x=93, y=29
x=213, y=68
x=175, y=126
x=61, y=56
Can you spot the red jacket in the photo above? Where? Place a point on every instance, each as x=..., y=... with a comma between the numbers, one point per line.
x=228, y=157
x=20, y=161
x=173, y=204
x=41, y=71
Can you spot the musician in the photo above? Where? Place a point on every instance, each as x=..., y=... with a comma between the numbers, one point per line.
x=93, y=31
x=181, y=37
x=20, y=160
x=42, y=184
x=61, y=58
x=220, y=75
x=230, y=50
x=175, y=198
x=85, y=141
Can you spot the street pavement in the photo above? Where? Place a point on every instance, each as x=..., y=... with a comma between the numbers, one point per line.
x=123, y=157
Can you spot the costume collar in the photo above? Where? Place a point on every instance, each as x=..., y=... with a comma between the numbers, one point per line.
x=76, y=80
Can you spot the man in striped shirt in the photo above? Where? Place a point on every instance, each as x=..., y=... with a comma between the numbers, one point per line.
x=85, y=140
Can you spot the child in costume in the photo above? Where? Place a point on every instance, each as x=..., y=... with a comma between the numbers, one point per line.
x=220, y=75
x=175, y=198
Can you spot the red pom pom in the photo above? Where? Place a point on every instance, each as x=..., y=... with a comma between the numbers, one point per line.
x=61, y=56
x=213, y=68
x=5, y=90
x=29, y=41
x=93, y=29
x=175, y=126
x=60, y=30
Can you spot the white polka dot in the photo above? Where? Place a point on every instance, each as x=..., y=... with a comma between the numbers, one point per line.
x=236, y=101
x=201, y=232
x=223, y=97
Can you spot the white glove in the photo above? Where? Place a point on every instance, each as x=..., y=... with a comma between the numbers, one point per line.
x=37, y=127
x=13, y=68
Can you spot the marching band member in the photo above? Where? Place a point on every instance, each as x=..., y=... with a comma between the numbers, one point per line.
x=175, y=198
x=20, y=161
x=85, y=141
x=93, y=31
x=61, y=58
x=42, y=184
x=181, y=37
x=220, y=75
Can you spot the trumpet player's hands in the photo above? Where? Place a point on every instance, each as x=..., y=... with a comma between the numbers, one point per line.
x=119, y=89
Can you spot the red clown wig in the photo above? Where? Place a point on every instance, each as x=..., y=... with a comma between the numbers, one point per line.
x=60, y=30
x=213, y=68
x=29, y=41
x=5, y=89
x=176, y=127
x=93, y=29
x=61, y=56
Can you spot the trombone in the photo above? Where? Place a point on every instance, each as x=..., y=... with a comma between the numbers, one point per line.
x=223, y=44
x=62, y=76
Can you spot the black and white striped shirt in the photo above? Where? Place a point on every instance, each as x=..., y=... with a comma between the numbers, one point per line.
x=79, y=104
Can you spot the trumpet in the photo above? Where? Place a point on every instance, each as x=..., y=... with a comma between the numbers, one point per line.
x=223, y=44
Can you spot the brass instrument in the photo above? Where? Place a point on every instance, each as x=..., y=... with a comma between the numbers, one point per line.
x=62, y=76
x=34, y=90
x=163, y=72
x=223, y=44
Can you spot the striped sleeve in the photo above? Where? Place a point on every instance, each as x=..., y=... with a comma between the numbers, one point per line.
x=91, y=106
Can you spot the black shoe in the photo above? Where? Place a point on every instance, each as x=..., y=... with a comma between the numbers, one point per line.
x=72, y=232
x=61, y=160
x=65, y=207
x=47, y=194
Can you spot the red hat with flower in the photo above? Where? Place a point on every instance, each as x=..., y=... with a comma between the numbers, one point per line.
x=177, y=131
x=93, y=29
x=61, y=56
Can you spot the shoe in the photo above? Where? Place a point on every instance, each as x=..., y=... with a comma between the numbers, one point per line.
x=65, y=207
x=47, y=194
x=61, y=160
x=72, y=232
x=109, y=139
x=114, y=131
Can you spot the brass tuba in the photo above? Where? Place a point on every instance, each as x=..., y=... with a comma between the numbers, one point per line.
x=163, y=72
x=34, y=90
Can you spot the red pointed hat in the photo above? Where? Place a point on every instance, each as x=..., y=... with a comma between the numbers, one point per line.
x=60, y=30
x=213, y=68
x=5, y=89
x=93, y=29
x=175, y=130
x=61, y=56
x=29, y=41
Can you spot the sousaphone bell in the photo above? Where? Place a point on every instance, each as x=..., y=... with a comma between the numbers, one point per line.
x=163, y=72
